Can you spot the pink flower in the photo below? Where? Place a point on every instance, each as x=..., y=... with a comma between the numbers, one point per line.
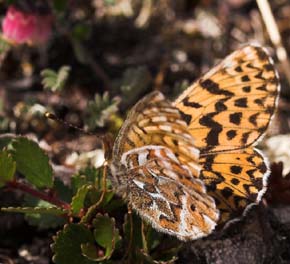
x=22, y=27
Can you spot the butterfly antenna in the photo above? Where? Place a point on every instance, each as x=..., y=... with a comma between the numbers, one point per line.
x=61, y=121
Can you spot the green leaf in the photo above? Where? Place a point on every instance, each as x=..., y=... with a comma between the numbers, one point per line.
x=106, y=234
x=55, y=81
x=78, y=200
x=47, y=216
x=101, y=110
x=32, y=162
x=34, y=210
x=7, y=167
x=68, y=245
x=89, y=250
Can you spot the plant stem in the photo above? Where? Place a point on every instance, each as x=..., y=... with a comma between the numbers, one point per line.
x=41, y=195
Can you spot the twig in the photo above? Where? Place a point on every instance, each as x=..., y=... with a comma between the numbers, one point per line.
x=144, y=14
x=41, y=195
x=274, y=35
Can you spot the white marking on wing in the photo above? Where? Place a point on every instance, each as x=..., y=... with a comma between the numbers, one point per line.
x=142, y=157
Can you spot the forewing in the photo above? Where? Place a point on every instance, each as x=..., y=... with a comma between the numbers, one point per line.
x=234, y=179
x=230, y=107
x=155, y=121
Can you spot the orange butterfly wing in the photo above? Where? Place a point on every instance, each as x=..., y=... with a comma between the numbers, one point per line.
x=155, y=166
x=227, y=111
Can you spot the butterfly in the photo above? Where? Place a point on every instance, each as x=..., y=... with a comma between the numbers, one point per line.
x=190, y=165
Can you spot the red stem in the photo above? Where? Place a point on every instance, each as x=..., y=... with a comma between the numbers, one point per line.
x=41, y=195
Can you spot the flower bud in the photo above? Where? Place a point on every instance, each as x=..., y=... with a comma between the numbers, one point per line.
x=29, y=27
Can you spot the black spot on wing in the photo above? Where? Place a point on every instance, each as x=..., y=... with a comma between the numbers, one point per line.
x=208, y=162
x=192, y=207
x=260, y=76
x=241, y=102
x=247, y=89
x=262, y=88
x=236, y=169
x=253, y=119
x=262, y=168
x=238, y=69
x=213, y=87
x=245, y=137
x=227, y=192
x=251, y=173
x=220, y=106
x=215, y=130
x=185, y=117
x=245, y=78
x=235, y=118
x=231, y=134
x=191, y=104
x=262, y=55
x=269, y=67
x=235, y=181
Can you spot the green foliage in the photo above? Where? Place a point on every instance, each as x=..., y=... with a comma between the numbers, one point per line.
x=55, y=81
x=101, y=110
x=7, y=167
x=34, y=210
x=78, y=200
x=45, y=214
x=79, y=243
x=32, y=162
x=4, y=46
x=88, y=175
x=68, y=244
x=106, y=234
x=94, y=237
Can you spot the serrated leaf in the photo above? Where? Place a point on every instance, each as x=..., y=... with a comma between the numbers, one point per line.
x=68, y=242
x=89, y=250
x=7, y=167
x=106, y=234
x=78, y=200
x=34, y=210
x=43, y=220
x=32, y=162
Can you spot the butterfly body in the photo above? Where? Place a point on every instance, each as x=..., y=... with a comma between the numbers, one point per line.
x=189, y=165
